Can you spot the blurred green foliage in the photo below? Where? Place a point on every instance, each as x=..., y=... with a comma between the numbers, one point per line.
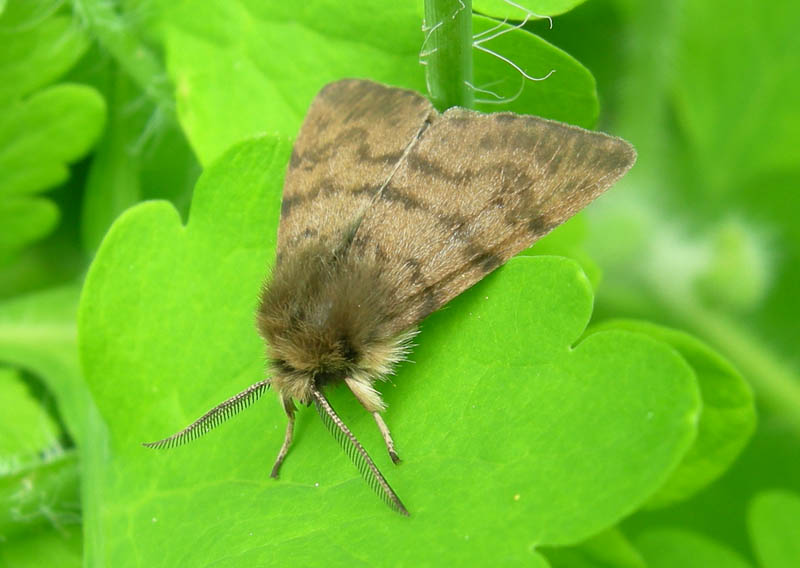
x=526, y=440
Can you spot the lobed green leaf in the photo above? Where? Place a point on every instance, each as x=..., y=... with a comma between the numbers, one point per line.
x=727, y=420
x=513, y=436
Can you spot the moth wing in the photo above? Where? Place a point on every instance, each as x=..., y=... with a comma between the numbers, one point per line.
x=473, y=191
x=352, y=138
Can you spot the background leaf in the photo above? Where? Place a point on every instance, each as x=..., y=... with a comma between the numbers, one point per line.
x=500, y=9
x=143, y=155
x=567, y=95
x=49, y=129
x=38, y=479
x=773, y=521
x=44, y=548
x=609, y=548
x=40, y=43
x=28, y=429
x=41, y=496
x=273, y=54
x=673, y=547
x=727, y=419
x=40, y=131
x=38, y=333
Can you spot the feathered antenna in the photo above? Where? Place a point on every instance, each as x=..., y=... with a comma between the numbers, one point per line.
x=213, y=417
x=358, y=455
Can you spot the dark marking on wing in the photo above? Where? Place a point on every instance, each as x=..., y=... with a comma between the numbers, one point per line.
x=294, y=159
x=430, y=303
x=416, y=272
x=525, y=140
x=538, y=224
x=391, y=193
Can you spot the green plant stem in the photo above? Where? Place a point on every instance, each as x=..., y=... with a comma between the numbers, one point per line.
x=132, y=55
x=448, y=52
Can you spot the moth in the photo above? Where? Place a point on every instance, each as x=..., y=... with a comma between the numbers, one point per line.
x=390, y=209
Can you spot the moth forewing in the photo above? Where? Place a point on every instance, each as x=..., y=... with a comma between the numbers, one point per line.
x=390, y=210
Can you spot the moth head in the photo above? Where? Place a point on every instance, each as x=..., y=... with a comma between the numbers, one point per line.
x=298, y=367
x=315, y=357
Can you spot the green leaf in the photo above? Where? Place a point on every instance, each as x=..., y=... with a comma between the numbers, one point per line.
x=608, y=549
x=38, y=137
x=667, y=548
x=500, y=421
x=274, y=56
x=774, y=524
x=27, y=429
x=38, y=333
x=143, y=155
x=503, y=9
x=24, y=220
x=568, y=240
x=41, y=483
x=41, y=494
x=727, y=421
x=38, y=480
x=567, y=95
x=41, y=129
x=46, y=547
x=39, y=45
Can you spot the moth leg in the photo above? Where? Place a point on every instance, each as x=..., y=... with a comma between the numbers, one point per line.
x=289, y=408
x=387, y=436
x=371, y=400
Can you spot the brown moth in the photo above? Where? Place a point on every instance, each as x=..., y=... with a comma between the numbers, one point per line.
x=391, y=209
